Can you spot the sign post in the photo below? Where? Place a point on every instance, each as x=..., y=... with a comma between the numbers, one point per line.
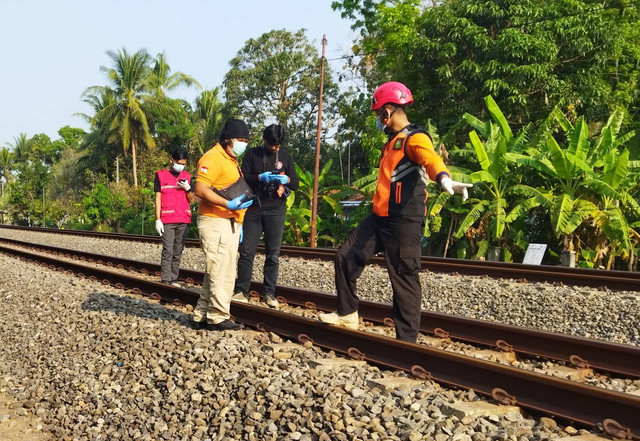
x=535, y=253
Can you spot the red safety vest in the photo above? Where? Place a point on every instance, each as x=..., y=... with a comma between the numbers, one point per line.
x=173, y=200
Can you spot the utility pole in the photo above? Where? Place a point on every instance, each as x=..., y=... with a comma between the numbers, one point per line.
x=349, y=166
x=44, y=224
x=316, y=170
x=117, y=170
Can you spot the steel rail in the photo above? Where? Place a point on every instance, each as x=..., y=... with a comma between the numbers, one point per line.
x=580, y=352
x=612, y=279
x=575, y=402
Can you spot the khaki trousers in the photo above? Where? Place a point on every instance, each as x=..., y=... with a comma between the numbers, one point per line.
x=219, y=240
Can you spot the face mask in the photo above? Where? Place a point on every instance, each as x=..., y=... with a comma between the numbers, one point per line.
x=379, y=124
x=238, y=148
x=178, y=167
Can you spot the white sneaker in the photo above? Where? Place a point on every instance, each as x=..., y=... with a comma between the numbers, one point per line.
x=271, y=300
x=350, y=320
x=240, y=297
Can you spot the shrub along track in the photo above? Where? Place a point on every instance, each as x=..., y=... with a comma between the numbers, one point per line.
x=616, y=412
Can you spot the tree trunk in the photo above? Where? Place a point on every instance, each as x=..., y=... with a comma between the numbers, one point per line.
x=134, y=156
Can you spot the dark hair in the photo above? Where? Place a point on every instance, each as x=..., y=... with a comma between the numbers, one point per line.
x=180, y=153
x=273, y=134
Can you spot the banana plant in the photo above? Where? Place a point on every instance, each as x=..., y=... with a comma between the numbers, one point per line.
x=583, y=180
x=501, y=194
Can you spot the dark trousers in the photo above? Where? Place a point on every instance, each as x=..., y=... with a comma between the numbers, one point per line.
x=271, y=222
x=399, y=238
x=173, y=240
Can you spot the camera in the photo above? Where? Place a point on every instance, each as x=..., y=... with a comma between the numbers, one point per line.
x=269, y=189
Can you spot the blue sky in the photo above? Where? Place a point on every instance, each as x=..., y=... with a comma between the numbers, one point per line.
x=51, y=51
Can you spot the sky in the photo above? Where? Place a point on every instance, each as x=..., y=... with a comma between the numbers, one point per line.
x=52, y=50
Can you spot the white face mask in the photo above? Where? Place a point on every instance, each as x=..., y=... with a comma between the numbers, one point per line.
x=238, y=148
x=380, y=125
x=178, y=167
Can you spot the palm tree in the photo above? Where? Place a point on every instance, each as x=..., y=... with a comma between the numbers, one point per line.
x=207, y=117
x=127, y=118
x=6, y=158
x=162, y=79
x=22, y=148
x=98, y=150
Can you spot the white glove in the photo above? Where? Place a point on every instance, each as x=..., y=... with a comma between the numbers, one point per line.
x=159, y=227
x=184, y=185
x=455, y=187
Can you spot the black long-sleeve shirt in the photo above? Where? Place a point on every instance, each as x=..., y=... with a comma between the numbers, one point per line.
x=256, y=161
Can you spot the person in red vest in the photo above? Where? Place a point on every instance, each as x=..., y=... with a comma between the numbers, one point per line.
x=173, y=213
x=396, y=226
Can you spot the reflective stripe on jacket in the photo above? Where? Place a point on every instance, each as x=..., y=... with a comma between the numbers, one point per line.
x=405, y=169
x=174, y=206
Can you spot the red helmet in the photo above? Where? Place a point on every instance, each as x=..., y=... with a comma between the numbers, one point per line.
x=391, y=92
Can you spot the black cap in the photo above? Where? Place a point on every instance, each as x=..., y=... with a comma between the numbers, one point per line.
x=234, y=128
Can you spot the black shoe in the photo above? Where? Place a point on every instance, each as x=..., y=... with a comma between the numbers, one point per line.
x=227, y=325
x=198, y=325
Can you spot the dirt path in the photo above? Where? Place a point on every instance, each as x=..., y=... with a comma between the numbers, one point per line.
x=16, y=424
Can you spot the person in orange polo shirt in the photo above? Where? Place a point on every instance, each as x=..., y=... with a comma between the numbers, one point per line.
x=220, y=226
x=399, y=207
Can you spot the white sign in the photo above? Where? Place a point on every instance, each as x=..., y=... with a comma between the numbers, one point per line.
x=535, y=253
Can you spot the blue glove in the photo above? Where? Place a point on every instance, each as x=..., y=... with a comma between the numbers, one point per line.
x=241, y=233
x=238, y=204
x=283, y=179
x=266, y=177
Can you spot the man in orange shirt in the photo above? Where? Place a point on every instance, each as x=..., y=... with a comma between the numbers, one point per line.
x=397, y=222
x=220, y=226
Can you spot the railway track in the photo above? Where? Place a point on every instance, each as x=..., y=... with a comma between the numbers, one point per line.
x=610, y=279
x=615, y=412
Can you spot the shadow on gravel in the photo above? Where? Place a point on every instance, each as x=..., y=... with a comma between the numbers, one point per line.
x=138, y=307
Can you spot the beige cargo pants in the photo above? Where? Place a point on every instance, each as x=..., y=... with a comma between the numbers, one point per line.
x=219, y=240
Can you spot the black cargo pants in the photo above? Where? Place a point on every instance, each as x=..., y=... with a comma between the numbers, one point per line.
x=399, y=238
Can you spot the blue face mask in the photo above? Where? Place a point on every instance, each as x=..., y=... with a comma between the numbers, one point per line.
x=238, y=148
x=178, y=167
x=380, y=125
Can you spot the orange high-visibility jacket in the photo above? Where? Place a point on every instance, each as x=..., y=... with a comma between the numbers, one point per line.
x=406, y=161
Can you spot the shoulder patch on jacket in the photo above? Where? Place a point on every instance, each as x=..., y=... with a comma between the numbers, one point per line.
x=398, y=144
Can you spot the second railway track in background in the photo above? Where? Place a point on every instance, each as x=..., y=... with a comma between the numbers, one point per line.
x=503, y=383
x=614, y=280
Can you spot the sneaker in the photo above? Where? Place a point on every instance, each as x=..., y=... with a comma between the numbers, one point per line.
x=240, y=297
x=271, y=300
x=176, y=284
x=350, y=320
x=227, y=325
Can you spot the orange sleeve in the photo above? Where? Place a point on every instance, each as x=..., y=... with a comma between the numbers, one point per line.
x=208, y=170
x=420, y=149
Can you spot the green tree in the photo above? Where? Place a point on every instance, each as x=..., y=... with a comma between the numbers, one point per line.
x=22, y=148
x=497, y=198
x=530, y=55
x=584, y=178
x=6, y=160
x=99, y=149
x=126, y=118
x=161, y=79
x=207, y=117
x=101, y=205
x=276, y=78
